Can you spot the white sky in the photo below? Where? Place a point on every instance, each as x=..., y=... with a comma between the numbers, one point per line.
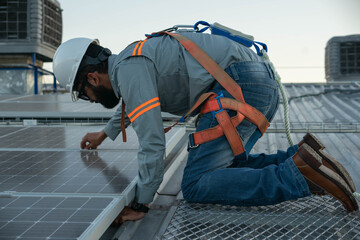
x=296, y=31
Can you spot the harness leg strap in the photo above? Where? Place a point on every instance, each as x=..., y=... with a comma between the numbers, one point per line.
x=230, y=132
x=250, y=113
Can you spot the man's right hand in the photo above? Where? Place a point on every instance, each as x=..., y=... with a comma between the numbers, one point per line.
x=93, y=140
x=128, y=214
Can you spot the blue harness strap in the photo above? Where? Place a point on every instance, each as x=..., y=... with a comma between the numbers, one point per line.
x=222, y=32
x=216, y=30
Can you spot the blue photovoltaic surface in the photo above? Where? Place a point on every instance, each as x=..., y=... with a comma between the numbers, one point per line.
x=52, y=189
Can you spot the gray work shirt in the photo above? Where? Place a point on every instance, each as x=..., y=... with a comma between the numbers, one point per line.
x=159, y=75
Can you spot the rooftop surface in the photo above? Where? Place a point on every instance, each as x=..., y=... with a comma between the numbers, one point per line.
x=43, y=169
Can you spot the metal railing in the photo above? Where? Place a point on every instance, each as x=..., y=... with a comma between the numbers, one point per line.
x=319, y=127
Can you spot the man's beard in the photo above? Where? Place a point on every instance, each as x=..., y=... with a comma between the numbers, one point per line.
x=106, y=97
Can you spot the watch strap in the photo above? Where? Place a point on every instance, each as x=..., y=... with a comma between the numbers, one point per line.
x=139, y=207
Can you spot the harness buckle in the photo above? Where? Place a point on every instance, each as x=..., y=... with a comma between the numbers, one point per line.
x=221, y=95
x=191, y=141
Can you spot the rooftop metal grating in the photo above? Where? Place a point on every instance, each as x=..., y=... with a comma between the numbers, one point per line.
x=308, y=218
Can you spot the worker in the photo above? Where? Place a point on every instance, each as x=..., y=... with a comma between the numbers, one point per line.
x=160, y=75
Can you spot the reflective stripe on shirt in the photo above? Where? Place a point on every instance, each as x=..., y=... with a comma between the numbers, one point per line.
x=154, y=103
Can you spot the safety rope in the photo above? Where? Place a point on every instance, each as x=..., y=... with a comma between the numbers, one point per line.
x=356, y=195
x=283, y=94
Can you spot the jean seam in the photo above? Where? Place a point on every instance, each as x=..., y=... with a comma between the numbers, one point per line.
x=197, y=153
x=233, y=73
x=242, y=84
x=258, y=84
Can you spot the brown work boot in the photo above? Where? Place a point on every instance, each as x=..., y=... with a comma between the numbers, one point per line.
x=315, y=189
x=310, y=165
x=327, y=160
x=312, y=141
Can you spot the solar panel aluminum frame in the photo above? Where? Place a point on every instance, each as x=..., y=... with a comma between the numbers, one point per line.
x=104, y=220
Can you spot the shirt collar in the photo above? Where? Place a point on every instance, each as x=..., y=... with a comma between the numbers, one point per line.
x=113, y=80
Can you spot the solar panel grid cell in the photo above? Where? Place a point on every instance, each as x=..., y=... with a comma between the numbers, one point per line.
x=68, y=172
x=63, y=217
x=69, y=138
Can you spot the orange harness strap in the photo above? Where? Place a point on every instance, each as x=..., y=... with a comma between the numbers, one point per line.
x=249, y=112
x=210, y=65
x=244, y=110
x=201, y=100
x=230, y=132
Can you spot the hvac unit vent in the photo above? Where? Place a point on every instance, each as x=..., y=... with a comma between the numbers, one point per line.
x=13, y=20
x=342, y=59
x=52, y=23
x=30, y=26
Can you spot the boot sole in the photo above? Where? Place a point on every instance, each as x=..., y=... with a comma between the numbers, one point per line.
x=339, y=168
x=344, y=196
x=330, y=162
x=313, y=142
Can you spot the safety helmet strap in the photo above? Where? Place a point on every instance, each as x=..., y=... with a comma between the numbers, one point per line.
x=95, y=55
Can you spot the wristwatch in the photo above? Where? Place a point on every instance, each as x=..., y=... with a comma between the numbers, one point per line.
x=139, y=207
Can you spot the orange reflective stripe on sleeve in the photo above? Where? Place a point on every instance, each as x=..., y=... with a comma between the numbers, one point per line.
x=141, y=45
x=143, y=111
x=138, y=48
x=146, y=106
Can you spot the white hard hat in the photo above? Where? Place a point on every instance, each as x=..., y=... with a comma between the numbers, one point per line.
x=67, y=60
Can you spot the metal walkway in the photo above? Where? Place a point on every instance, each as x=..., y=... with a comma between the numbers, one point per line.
x=308, y=218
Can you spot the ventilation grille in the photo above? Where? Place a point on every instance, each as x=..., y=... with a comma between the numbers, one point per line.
x=52, y=24
x=13, y=19
x=350, y=57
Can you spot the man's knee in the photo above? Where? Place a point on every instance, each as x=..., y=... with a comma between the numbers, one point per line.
x=188, y=192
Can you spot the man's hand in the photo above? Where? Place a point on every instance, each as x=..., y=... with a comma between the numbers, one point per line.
x=93, y=140
x=127, y=214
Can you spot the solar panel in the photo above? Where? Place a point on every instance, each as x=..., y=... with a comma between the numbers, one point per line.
x=5, y=98
x=42, y=98
x=54, y=106
x=69, y=137
x=5, y=131
x=50, y=217
x=50, y=103
x=50, y=189
x=68, y=171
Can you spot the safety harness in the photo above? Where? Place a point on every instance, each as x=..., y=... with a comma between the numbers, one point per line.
x=217, y=104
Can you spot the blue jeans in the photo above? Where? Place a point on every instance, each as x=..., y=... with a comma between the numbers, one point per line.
x=214, y=175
